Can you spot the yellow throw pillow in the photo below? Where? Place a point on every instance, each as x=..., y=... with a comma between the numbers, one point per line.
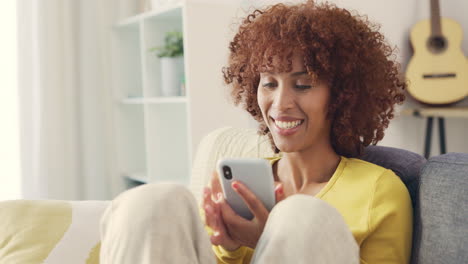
x=51, y=232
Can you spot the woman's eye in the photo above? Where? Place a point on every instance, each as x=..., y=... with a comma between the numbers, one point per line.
x=269, y=84
x=303, y=87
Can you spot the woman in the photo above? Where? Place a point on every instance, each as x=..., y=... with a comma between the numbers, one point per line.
x=320, y=83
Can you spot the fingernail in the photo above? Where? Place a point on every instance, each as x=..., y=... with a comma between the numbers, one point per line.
x=235, y=185
x=220, y=196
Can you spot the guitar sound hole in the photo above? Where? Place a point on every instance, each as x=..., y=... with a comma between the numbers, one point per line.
x=437, y=44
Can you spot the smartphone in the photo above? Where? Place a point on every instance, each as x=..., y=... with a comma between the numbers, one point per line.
x=256, y=174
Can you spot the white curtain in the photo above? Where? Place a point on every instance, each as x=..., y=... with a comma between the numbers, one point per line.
x=65, y=105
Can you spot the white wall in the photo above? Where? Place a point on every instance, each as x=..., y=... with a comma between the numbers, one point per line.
x=396, y=19
x=210, y=105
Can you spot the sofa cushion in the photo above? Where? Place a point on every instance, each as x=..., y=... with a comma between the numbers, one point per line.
x=404, y=163
x=225, y=142
x=440, y=236
x=52, y=232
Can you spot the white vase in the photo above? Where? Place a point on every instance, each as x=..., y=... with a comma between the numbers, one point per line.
x=172, y=73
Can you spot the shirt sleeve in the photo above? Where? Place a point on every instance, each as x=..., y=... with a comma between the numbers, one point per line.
x=242, y=255
x=390, y=223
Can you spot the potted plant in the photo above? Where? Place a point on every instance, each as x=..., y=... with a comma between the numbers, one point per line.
x=171, y=55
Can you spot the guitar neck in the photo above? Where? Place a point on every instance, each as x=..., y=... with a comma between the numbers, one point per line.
x=436, y=29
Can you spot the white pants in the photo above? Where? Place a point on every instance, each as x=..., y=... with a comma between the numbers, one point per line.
x=160, y=223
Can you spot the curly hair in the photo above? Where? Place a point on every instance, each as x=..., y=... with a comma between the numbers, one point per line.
x=344, y=50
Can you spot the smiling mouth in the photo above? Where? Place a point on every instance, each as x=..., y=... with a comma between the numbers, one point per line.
x=288, y=124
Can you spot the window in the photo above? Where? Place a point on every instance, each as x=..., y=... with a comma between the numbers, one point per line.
x=10, y=171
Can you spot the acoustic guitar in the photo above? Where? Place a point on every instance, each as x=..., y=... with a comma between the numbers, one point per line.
x=438, y=70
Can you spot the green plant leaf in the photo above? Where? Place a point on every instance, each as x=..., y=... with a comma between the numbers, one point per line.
x=173, y=45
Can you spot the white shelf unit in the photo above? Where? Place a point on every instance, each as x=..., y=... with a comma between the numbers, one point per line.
x=155, y=135
x=152, y=130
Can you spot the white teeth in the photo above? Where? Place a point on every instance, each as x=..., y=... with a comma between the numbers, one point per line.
x=287, y=125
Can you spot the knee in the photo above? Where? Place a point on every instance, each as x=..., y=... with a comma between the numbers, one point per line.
x=318, y=227
x=300, y=204
x=306, y=211
x=151, y=202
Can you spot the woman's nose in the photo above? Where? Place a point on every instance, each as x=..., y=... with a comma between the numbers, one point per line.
x=284, y=98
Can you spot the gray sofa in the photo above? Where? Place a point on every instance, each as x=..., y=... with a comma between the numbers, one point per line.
x=438, y=189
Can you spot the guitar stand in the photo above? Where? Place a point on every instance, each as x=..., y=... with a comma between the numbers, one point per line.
x=427, y=142
x=429, y=113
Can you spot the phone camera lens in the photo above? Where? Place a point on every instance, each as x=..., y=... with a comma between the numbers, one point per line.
x=227, y=172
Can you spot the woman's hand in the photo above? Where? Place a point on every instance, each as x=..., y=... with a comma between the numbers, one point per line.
x=231, y=230
x=213, y=217
x=247, y=232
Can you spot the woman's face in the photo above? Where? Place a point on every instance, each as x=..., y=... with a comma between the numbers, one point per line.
x=294, y=108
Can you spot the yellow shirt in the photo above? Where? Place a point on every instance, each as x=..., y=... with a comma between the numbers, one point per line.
x=376, y=207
